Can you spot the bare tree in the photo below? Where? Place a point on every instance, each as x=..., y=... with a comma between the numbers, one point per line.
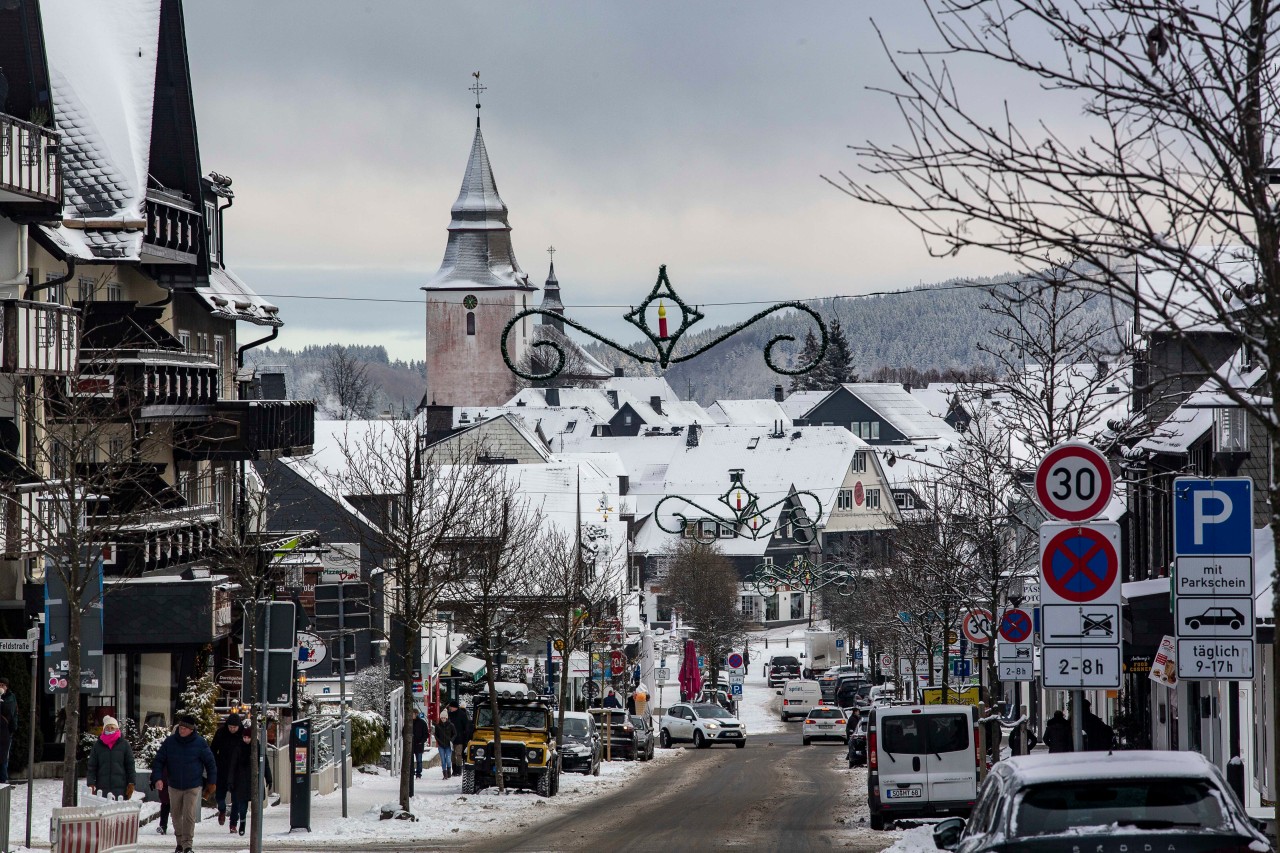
x=411, y=503
x=1165, y=158
x=495, y=594
x=703, y=586
x=349, y=393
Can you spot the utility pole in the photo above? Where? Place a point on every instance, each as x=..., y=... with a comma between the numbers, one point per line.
x=33, y=637
x=342, y=692
x=260, y=788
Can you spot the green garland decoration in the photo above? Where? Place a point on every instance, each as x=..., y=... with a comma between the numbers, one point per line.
x=745, y=518
x=664, y=341
x=804, y=575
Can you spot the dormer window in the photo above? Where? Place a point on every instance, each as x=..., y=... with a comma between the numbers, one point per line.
x=471, y=323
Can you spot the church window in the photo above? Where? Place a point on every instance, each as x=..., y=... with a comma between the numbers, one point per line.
x=471, y=322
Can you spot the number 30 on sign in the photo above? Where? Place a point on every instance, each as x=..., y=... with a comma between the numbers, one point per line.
x=1073, y=482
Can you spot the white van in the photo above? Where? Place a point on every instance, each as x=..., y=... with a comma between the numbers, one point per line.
x=922, y=760
x=798, y=696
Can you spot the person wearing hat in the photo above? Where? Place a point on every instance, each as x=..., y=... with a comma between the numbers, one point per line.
x=183, y=765
x=242, y=779
x=111, y=771
x=226, y=743
x=461, y=732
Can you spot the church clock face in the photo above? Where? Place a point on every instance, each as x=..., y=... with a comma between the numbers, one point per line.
x=470, y=302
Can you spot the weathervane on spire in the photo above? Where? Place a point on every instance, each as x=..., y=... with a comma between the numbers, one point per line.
x=477, y=88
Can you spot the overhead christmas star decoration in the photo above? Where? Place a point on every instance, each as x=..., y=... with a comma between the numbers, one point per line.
x=663, y=340
x=803, y=575
x=745, y=517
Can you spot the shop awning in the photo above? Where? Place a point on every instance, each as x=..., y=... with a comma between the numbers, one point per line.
x=465, y=665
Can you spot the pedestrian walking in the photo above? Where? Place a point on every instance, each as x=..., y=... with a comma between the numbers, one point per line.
x=226, y=742
x=444, y=744
x=612, y=701
x=1098, y=736
x=111, y=769
x=420, y=735
x=9, y=715
x=461, y=732
x=183, y=766
x=162, y=794
x=1057, y=733
x=243, y=776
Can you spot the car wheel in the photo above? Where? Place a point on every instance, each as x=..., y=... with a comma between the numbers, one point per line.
x=468, y=779
x=596, y=770
x=806, y=741
x=851, y=762
x=665, y=738
x=1194, y=624
x=1235, y=624
x=740, y=744
x=544, y=784
x=877, y=821
x=699, y=742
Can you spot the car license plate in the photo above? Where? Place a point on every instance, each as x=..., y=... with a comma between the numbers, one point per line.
x=903, y=793
x=511, y=770
x=826, y=725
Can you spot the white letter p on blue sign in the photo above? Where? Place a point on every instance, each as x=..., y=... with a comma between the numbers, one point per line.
x=1213, y=516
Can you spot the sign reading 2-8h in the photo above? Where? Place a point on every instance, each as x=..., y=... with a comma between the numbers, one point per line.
x=1213, y=577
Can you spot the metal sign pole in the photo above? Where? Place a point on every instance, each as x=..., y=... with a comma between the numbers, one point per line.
x=262, y=735
x=342, y=692
x=33, y=636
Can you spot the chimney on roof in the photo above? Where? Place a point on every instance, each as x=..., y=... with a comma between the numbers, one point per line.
x=552, y=395
x=613, y=397
x=691, y=437
x=439, y=419
x=777, y=394
x=655, y=403
x=271, y=385
x=619, y=372
x=906, y=386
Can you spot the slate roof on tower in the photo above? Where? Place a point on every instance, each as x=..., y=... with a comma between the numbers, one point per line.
x=479, y=253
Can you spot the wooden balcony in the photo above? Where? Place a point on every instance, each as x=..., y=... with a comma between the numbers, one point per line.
x=38, y=338
x=149, y=385
x=30, y=162
x=174, y=231
x=251, y=429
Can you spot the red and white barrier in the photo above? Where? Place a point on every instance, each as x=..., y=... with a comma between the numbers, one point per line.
x=111, y=828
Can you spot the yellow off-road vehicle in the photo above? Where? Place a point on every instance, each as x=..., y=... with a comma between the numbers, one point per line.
x=529, y=757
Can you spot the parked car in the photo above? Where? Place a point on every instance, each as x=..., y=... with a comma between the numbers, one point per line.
x=857, y=753
x=922, y=761
x=798, y=696
x=615, y=724
x=702, y=724
x=719, y=696
x=1136, y=800
x=825, y=722
x=580, y=750
x=644, y=737
x=846, y=690
x=782, y=669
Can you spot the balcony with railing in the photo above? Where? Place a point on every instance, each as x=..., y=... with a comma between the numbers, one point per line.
x=175, y=229
x=251, y=429
x=38, y=338
x=151, y=385
x=30, y=162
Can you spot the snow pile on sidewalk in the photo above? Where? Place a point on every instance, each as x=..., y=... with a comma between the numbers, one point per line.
x=916, y=840
x=442, y=812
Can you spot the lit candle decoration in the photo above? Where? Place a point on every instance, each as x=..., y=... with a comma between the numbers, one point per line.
x=662, y=320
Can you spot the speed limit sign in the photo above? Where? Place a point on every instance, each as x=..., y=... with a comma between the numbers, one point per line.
x=1073, y=481
x=977, y=626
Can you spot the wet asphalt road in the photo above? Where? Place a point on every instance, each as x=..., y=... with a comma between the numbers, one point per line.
x=775, y=794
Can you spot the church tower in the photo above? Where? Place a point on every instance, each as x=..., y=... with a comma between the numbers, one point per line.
x=475, y=293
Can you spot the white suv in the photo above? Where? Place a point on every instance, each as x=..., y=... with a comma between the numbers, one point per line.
x=702, y=724
x=825, y=722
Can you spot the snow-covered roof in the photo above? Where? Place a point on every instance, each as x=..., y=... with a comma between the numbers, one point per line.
x=1176, y=433
x=327, y=463
x=593, y=400
x=798, y=403
x=1138, y=764
x=1139, y=589
x=102, y=64
x=479, y=253
x=897, y=407
x=936, y=398
x=674, y=412
x=642, y=387
x=748, y=412
x=229, y=297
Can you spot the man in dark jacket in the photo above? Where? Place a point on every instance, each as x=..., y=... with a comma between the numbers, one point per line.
x=420, y=731
x=184, y=758
x=9, y=715
x=242, y=778
x=1098, y=736
x=444, y=743
x=226, y=742
x=461, y=732
x=1057, y=733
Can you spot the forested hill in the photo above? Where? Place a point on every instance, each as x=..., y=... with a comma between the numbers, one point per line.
x=930, y=333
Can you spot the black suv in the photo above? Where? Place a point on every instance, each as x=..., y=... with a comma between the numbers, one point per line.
x=621, y=734
x=782, y=669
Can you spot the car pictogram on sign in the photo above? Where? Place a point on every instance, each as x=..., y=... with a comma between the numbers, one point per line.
x=1228, y=616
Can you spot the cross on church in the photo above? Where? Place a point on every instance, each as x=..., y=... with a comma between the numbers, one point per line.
x=477, y=89
x=551, y=250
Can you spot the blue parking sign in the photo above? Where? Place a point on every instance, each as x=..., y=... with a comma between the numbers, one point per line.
x=1213, y=516
x=735, y=689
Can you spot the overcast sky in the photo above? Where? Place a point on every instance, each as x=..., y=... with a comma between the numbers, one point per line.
x=626, y=134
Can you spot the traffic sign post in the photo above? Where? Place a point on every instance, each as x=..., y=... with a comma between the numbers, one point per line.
x=1015, y=654
x=1213, y=615
x=977, y=626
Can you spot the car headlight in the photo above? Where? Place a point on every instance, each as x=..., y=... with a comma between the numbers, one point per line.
x=479, y=753
x=713, y=725
x=533, y=755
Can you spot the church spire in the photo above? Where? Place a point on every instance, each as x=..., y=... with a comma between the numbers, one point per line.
x=551, y=296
